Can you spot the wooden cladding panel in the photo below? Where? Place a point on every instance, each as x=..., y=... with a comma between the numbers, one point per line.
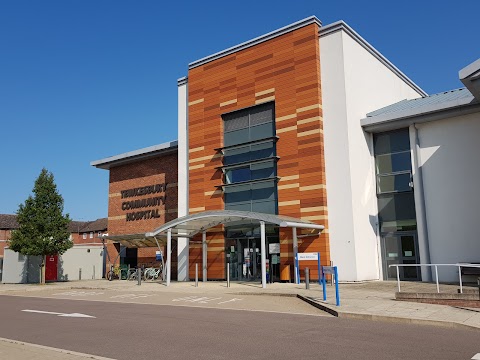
x=286, y=70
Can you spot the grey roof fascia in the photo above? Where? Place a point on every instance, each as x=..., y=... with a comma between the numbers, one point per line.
x=341, y=25
x=469, y=69
x=182, y=81
x=136, y=155
x=258, y=40
x=431, y=112
x=470, y=77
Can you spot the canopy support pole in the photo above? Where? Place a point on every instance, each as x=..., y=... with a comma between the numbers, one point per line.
x=169, y=255
x=204, y=256
x=295, y=252
x=264, y=256
x=161, y=254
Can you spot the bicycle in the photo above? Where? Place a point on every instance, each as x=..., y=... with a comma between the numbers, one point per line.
x=113, y=273
x=133, y=275
x=152, y=273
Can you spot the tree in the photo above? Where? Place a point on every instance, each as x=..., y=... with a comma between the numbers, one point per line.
x=43, y=229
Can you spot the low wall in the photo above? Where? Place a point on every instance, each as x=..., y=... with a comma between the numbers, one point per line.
x=87, y=259
x=20, y=269
x=467, y=299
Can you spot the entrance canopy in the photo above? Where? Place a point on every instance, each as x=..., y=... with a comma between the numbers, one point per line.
x=191, y=225
x=135, y=240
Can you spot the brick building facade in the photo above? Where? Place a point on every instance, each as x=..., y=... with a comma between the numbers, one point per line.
x=142, y=196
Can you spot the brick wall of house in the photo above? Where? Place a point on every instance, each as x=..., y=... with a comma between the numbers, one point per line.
x=5, y=235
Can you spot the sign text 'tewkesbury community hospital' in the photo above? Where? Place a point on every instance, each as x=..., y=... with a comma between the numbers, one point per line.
x=153, y=201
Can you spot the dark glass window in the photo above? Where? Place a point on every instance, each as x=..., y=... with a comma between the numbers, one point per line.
x=249, y=125
x=258, y=197
x=246, y=163
x=262, y=150
x=239, y=174
x=237, y=194
x=255, y=171
x=396, y=204
x=251, y=152
x=394, y=183
x=389, y=163
x=397, y=212
x=391, y=142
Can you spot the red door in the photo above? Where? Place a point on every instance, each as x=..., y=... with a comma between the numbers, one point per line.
x=51, y=268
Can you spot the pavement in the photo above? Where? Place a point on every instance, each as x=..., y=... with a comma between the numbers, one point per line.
x=368, y=301
x=12, y=349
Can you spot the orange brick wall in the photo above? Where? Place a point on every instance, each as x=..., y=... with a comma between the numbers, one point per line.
x=286, y=70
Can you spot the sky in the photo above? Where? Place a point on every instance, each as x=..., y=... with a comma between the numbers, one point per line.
x=82, y=80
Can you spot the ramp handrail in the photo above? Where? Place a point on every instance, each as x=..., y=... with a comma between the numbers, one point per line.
x=458, y=265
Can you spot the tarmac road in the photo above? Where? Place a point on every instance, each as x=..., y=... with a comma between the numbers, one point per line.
x=143, y=331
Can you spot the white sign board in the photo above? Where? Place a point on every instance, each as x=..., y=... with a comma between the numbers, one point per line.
x=307, y=256
x=328, y=270
x=274, y=248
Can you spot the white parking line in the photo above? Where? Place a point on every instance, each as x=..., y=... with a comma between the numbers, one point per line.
x=130, y=296
x=79, y=293
x=197, y=299
x=203, y=299
x=231, y=300
x=476, y=356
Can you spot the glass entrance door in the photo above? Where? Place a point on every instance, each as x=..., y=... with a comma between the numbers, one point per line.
x=400, y=248
x=244, y=259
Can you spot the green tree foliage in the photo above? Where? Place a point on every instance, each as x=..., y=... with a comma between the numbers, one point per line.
x=43, y=229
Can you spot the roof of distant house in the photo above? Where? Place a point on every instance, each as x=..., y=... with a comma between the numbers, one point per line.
x=9, y=222
x=96, y=225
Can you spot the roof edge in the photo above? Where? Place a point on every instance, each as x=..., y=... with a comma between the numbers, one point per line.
x=182, y=81
x=342, y=25
x=470, y=77
x=139, y=154
x=404, y=118
x=255, y=41
x=469, y=69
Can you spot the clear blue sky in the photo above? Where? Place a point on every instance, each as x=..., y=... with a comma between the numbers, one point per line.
x=86, y=79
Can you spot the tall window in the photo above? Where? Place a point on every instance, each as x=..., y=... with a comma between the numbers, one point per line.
x=250, y=161
x=249, y=125
x=396, y=202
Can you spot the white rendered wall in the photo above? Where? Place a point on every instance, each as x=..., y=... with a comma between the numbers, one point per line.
x=20, y=269
x=79, y=257
x=183, y=245
x=354, y=83
x=449, y=153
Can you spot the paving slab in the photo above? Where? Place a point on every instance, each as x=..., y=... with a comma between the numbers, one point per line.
x=13, y=349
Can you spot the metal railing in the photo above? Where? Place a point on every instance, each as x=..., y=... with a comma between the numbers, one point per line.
x=458, y=265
